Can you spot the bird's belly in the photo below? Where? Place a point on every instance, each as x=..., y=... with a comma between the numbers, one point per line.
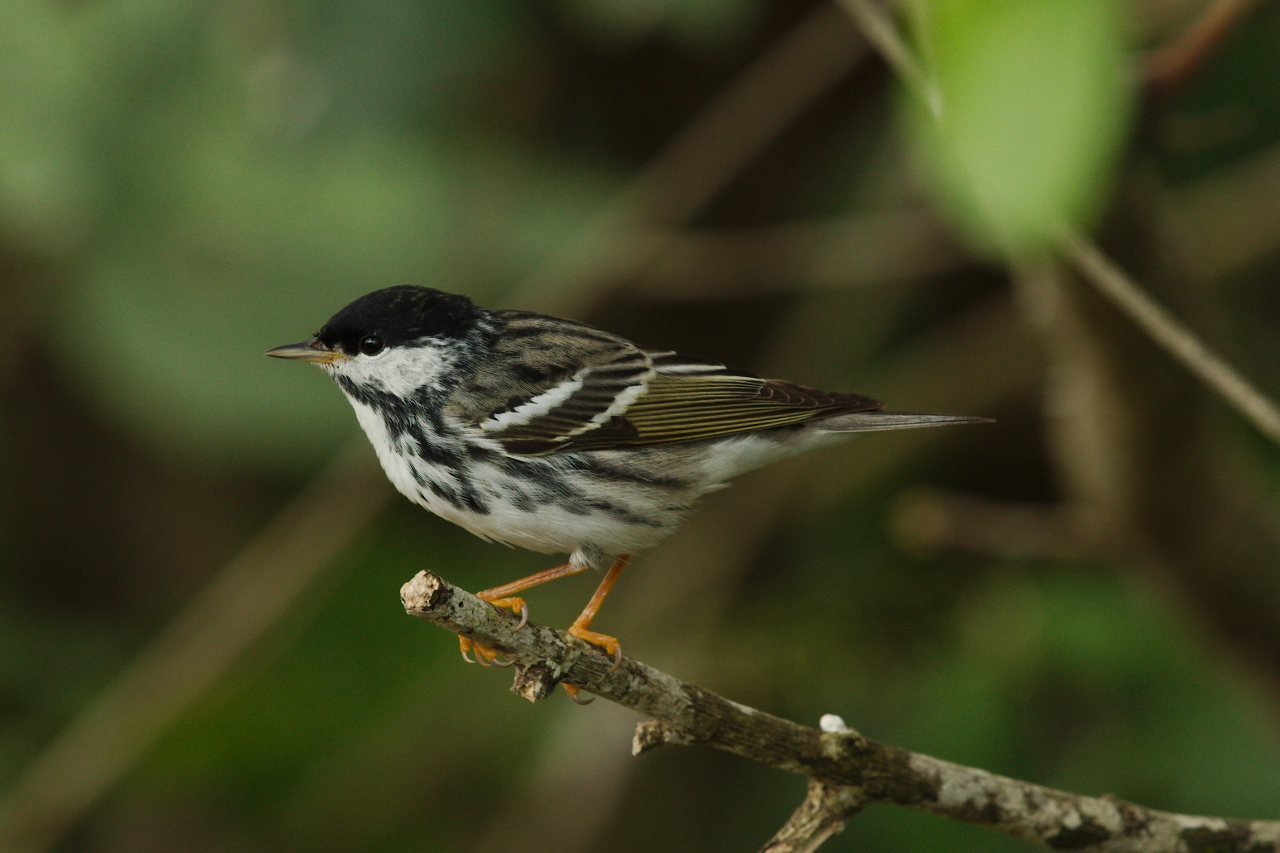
x=552, y=529
x=543, y=507
x=599, y=502
x=549, y=512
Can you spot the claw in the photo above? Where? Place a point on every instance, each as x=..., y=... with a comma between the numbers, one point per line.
x=515, y=604
x=617, y=657
x=573, y=694
x=503, y=663
x=483, y=656
x=604, y=642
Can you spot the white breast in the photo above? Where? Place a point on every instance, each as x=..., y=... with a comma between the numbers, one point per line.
x=394, y=463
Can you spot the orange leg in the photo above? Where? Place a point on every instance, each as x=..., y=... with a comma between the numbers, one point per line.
x=581, y=627
x=537, y=579
x=505, y=596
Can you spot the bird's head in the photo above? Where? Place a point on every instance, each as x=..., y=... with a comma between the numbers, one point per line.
x=394, y=340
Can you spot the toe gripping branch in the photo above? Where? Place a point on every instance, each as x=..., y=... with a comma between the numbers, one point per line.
x=845, y=768
x=542, y=656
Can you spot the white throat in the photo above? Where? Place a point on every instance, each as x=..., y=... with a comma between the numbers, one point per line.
x=400, y=370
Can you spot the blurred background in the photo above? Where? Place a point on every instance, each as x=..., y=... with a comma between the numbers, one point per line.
x=201, y=643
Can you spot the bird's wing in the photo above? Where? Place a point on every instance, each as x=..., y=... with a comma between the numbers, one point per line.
x=633, y=397
x=548, y=379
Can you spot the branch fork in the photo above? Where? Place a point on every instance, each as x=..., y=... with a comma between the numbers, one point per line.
x=846, y=769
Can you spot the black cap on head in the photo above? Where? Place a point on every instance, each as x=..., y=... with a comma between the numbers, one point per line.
x=399, y=315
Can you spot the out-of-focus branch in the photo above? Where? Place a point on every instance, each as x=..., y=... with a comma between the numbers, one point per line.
x=1170, y=67
x=1226, y=221
x=1105, y=274
x=192, y=652
x=1085, y=433
x=880, y=31
x=1166, y=330
x=869, y=248
x=687, y=713
x=700, y=161
x=927, y=520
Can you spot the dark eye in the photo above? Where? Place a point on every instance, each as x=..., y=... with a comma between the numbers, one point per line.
x=371, y=345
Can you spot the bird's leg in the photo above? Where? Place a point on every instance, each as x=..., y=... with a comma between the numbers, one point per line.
x=505, y=596
x=582, y=625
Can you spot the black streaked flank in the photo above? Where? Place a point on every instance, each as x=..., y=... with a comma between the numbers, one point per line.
x=610, y=468
x=600, y=469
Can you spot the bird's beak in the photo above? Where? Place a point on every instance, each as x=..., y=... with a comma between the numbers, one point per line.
x=312, y=350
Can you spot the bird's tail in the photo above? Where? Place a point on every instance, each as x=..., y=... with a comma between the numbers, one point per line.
x=876, y=421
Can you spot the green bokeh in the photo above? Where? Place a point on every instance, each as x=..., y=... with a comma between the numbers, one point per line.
x=183, y=185
x=1032, y=106
x=259, y=185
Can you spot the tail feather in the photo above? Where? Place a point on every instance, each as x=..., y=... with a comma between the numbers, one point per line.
x=878, y=420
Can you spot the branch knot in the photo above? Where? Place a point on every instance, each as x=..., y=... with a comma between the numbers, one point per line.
x=847, y=769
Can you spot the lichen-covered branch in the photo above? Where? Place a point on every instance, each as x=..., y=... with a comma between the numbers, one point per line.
x=686, y=713
x=824, y=812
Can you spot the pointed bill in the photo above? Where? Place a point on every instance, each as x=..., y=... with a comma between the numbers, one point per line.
x=309, y=350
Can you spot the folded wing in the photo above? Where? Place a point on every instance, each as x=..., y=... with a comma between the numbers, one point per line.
x=641, y=397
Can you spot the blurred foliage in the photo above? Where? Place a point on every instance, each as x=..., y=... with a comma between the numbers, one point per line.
x=252, y=160
x=1229, y=111
x=184, y=185
x=1030, y=113
x=701, y=23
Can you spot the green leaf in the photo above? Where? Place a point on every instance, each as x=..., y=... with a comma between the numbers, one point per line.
x=1034, y=108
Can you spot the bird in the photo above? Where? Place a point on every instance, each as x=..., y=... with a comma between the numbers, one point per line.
x=552, y=435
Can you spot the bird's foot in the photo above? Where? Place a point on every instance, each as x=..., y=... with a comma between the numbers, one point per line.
x=604, y=641
x=573, y=694
x=514, y=603
x=484, y=655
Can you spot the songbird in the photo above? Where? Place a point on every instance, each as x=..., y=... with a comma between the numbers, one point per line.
x=556, y=436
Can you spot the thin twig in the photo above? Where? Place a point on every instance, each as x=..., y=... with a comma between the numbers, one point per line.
x=1166, y=330
x=885, y=774
x=879, y=29
x=192, y=652
x=699, y=161
x=863, y=249
x=926, y=520
x=1170, y=67
x=1107, y=276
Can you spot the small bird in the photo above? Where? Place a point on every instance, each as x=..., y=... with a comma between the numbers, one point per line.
x=555, y=436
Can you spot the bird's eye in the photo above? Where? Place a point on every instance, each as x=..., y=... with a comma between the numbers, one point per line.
x=371, y=345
